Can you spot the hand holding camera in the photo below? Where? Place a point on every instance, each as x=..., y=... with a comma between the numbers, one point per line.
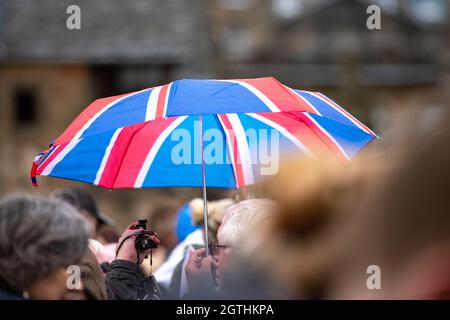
x=136, y=242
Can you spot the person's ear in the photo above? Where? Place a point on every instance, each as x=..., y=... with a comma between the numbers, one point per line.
x=428, y=276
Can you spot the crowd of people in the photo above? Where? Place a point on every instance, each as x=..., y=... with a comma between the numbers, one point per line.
x=372, y=228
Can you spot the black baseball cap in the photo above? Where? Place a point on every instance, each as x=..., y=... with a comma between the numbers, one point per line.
x=82, y=200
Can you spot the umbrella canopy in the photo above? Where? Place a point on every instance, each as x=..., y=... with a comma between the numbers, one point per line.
x=165, y=136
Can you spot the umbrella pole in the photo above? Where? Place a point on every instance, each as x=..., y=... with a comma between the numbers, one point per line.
x=205, y=200
x=205, y=212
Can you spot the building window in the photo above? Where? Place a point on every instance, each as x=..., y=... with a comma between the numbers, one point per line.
x=287, y=9
x=25, y=106
x=430, y=11
x=236, y=4
x=237, y=42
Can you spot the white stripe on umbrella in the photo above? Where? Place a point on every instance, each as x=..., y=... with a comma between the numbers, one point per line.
x=48, y=155
x=106, y=156
x=243, y=147
x=231, y=152
x=166, y=102
x=305, y=100
x=152, y=103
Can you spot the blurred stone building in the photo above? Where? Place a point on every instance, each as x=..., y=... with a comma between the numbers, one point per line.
x=49, y=73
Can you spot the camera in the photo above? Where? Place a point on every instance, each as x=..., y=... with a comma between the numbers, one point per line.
x=143, y=242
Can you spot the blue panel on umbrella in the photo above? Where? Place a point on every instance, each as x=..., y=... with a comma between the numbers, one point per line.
x=128, y=111
x=211, y=97
x=177, y=163
x=325, y=109
x=350, y=138
x=219, y=170
x=83, y=161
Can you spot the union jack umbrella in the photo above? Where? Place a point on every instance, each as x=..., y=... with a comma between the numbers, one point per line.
x=136, y=140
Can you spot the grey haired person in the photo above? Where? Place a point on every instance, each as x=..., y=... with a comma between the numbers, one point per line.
x=39, y=239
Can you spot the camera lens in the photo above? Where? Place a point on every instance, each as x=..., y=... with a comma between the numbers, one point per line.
x=145, y=244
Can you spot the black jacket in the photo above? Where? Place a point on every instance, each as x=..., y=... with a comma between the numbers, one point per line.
x=122, y=280
x=125, y=281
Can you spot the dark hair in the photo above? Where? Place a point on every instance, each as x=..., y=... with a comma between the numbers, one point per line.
x=108, y=232
x=78, y=198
